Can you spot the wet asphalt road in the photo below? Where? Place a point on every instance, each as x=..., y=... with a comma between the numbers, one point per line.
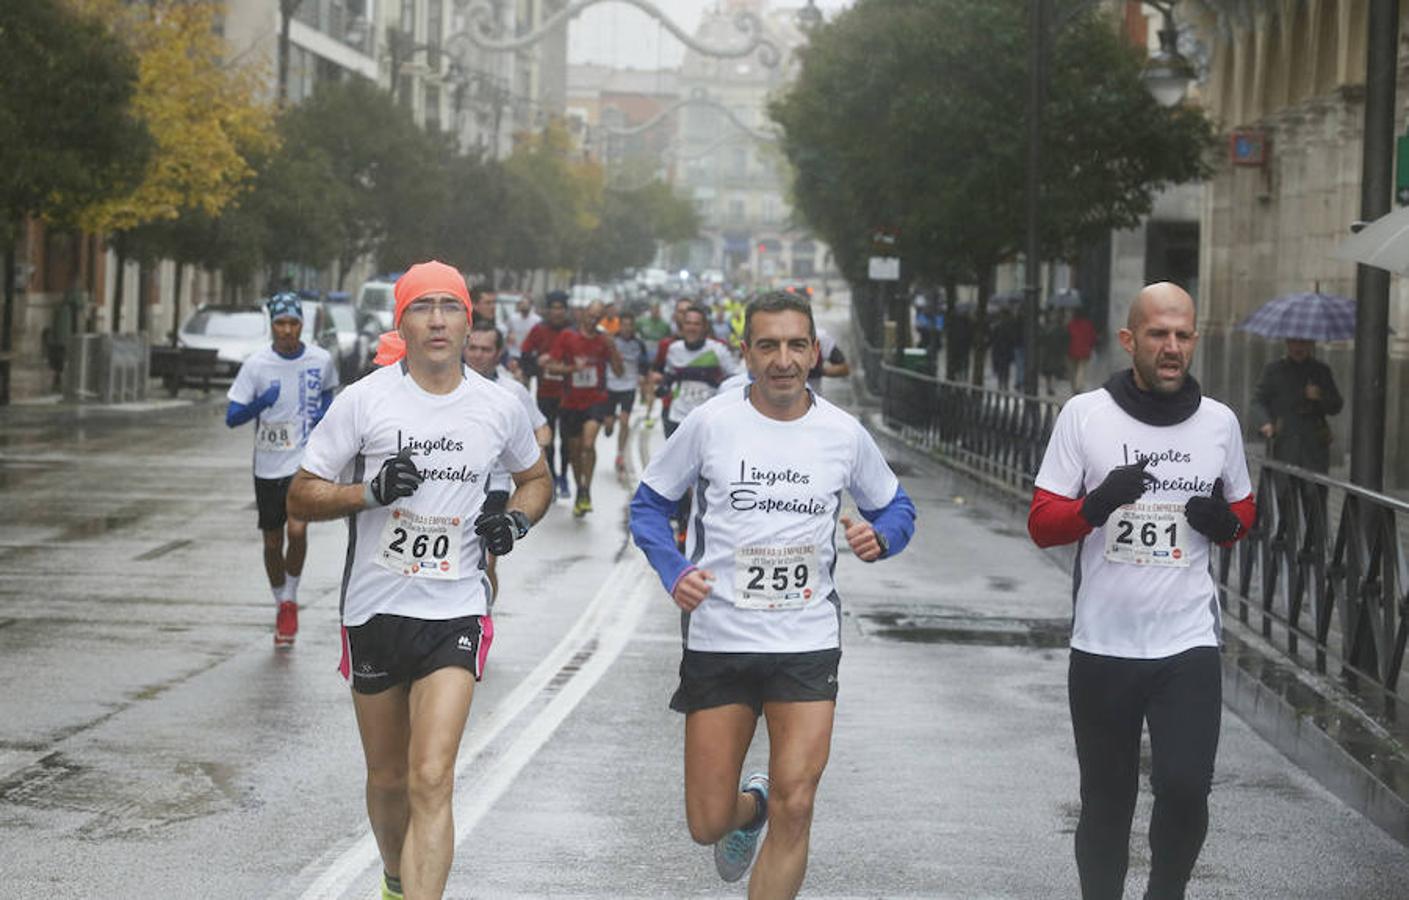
x=153, y=744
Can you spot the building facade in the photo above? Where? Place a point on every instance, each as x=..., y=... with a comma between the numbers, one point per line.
x=727, y=159
x=1290, y=76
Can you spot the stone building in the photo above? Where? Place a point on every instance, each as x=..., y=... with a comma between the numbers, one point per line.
x=1288, y=77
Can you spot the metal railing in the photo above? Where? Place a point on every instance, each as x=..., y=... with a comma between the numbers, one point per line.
x=1323, y=574
x=1325, y=587
x=999, y=435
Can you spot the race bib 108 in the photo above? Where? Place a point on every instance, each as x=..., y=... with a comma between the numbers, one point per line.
x=271, y=437
x=1148, y=534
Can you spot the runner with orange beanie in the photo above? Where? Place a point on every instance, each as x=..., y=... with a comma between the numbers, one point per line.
x=403, y=454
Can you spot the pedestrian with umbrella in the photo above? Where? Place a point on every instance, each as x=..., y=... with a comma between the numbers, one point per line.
x=1296, y=394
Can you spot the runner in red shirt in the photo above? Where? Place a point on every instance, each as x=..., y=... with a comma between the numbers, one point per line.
x=582, y=357
x=533, y=358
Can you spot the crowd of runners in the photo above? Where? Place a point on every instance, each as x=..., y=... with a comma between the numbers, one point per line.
x=465, y=434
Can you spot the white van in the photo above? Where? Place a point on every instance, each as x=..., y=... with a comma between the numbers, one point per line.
x=377, y=300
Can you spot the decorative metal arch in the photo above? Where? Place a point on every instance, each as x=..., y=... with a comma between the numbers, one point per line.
x=483, y=31
x=697, y=98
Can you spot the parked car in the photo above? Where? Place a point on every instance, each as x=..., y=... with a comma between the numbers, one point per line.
x=319, y=328
x=354, y=343
x=377, y=300
x=235, y=331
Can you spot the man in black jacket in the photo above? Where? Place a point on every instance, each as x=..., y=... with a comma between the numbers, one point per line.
x=1294, y=396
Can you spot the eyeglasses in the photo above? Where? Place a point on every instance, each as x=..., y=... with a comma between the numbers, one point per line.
x=427, y=305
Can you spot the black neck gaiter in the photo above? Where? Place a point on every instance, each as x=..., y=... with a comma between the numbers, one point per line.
x=1153, y=408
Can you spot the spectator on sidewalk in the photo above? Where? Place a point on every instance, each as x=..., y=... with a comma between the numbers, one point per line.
x=959, y=329
x=1081, y=343
x=1052, y=342
x=1293, y=397
x=1004, y=337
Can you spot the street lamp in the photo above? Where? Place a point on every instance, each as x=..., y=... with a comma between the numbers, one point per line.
x=809, y=17
x=1168, y=74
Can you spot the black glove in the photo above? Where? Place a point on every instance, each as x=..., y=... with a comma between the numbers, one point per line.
x=499, y=530
x=1123, y=484
x=1211, y=516
x=398, y=478
x=662, y=390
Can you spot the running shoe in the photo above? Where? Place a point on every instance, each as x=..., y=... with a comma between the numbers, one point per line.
x=735, y=851
x=286, y=624
x=561, y=482
x=583, y=506
x=648, y=423
x=388, y=893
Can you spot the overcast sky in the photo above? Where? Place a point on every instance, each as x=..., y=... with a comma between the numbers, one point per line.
x=618, y=34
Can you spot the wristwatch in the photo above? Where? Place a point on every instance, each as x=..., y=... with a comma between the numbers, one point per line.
x=885, y=544
x=520, y=520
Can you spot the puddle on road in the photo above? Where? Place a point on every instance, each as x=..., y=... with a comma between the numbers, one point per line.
x=981, y=631
x=126, y=804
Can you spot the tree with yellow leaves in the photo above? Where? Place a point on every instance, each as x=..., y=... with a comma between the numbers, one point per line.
x=207, y=117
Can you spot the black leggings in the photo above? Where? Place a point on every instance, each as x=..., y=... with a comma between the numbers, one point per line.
x=1181, y=697
x=551, y=409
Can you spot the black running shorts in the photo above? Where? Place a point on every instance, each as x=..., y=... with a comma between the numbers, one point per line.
x=620, y=401
x=386, y=651
x=269, y=497
x=708, y=680
x=570, y=421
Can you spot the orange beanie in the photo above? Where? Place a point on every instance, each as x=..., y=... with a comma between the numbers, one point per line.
x=390, y=348
x=421, y=279
x=432, y=277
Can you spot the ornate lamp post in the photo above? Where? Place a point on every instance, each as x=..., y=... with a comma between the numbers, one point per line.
x=1168, y=74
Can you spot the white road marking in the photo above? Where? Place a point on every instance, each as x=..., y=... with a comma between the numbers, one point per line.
x=609, y=620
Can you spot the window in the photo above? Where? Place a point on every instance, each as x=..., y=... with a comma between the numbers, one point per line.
x=408, y=17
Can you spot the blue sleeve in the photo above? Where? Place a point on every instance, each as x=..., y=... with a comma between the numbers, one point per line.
x=324, y=401
x=895, y=521
x=650, y=527
x=237, y=413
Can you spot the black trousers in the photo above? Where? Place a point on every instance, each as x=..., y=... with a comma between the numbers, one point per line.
x=1181, y=698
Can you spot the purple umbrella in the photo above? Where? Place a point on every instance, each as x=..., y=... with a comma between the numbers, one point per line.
x=1309, y=316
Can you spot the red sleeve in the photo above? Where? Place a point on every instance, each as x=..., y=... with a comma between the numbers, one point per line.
x=661, y=349
x=1246, y=511
x=1054, y=520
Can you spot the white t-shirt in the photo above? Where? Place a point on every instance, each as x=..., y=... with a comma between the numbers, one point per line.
x=499, y=479
x=419, y=556
x=633, y=363
x=281, y=431
x=518, y=328
x=736, y=381
x=696, y=373
x=767, y=497
x=1143, y=586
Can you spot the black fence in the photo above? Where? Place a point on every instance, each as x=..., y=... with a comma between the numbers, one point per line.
x=1323, y=575
x=997, y=435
